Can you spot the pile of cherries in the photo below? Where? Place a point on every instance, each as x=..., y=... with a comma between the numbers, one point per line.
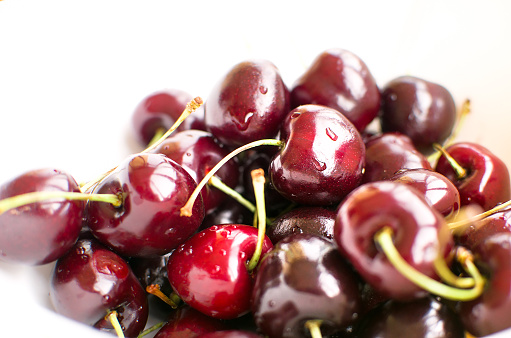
x=270, y=211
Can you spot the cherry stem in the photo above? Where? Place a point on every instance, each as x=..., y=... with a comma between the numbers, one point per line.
x=39, y=196
x=112, y=318
x=158, y=134
x=151, y=329
x=458, y=169
x=384, y=239
x=313, y=325
x=444, y=272
x=258, y=181
x=186, y=210
x=190, y=108
x=155, y=290
x=220, y=185
x=479, y=217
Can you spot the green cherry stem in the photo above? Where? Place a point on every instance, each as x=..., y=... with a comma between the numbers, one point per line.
x=39, y=196
x=445, y=273
x=458, y=169
x=313, y=325
x=220, y=185
x=479, y=217
x=151, y=329
x=186, y=210
x=383, y=238
x=158, y=134
x=155, y=290
x=112, y=318
x=258, y=181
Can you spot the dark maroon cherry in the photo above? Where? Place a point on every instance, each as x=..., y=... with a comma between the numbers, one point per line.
x=438, y=190
x=304, y=278
x=478, y=231
x=229, y=212
x=248, y=104
x=322, y=159
x=209, y=271
x=148, y=223
x=487, y=181
x=341, y=80
x=424, y=317
x=198, y=152
x=422, y=110
x=318, y=221
x=157, y=112
x=491, y=312
x=90, y=281
x=186, y=322
x=389, y=153
x=41, y=232
x=420, y=235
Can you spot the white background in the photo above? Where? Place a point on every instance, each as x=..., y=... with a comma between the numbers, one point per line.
x=71, y=73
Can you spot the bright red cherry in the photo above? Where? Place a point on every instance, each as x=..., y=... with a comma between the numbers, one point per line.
x=249, y=103
x=148, y=223
x=209, y=271
x=340, y=80
x=41, y=232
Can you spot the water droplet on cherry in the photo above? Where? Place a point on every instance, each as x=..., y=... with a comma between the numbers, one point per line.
x=333, y=136
x=319, y=165
x=263, y=89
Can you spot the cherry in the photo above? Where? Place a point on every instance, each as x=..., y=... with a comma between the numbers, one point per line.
x=197, y=152
x=229, y=212
x=157, y=112
x=339, y=79
x=389, y=153
x=247, y=104
x=478, y=231
x=209, y=271
x=420, y=235
x=423, y=317
x=322, y=159
x=438, y=190
x=230, y=334
x=490, y=313
x=304, y=279
x=485, y=180
x=90, y=281
x=318, y=221
x=148, y=223
x=188, y=322
x=422, y=110
x=40, y=232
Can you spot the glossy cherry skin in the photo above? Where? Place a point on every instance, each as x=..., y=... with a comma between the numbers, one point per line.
x=198, y=152
x=341, y=80
x=323, y=157
x=422, y=110
x=160, y=110
x=247, y=104
x=39, y=233
x=188, y=322
x=438, y=190
x=487, y=182
x=229, y=212
x=389, y=153
x=318, y=221
x=148, y=223
x=478, y=231
x=420, y=235
x=424, y=317
x=491, y=312
x=304, y=278
x=209, y=273
x=91, y=280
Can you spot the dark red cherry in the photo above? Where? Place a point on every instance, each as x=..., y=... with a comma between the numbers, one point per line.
x=422, y=110
x=186, y=322
x=248, y=104
x=318, y=221
x=424, y=317
x=491, y=312
x=438, y=190
x=322, y=159
x=341, y=80
x=304, y=278
x=478, y=231
x=389, y=153
x=148, y=223
x=487, y=181
x=198, y=152
x=229, y=212
x=209, y=271
x=90, y=281
x=41, y=232
x=420, y=235
x=231, y=334
x=158, y=111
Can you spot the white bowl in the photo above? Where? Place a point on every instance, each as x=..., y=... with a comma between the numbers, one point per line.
x=72, y=72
